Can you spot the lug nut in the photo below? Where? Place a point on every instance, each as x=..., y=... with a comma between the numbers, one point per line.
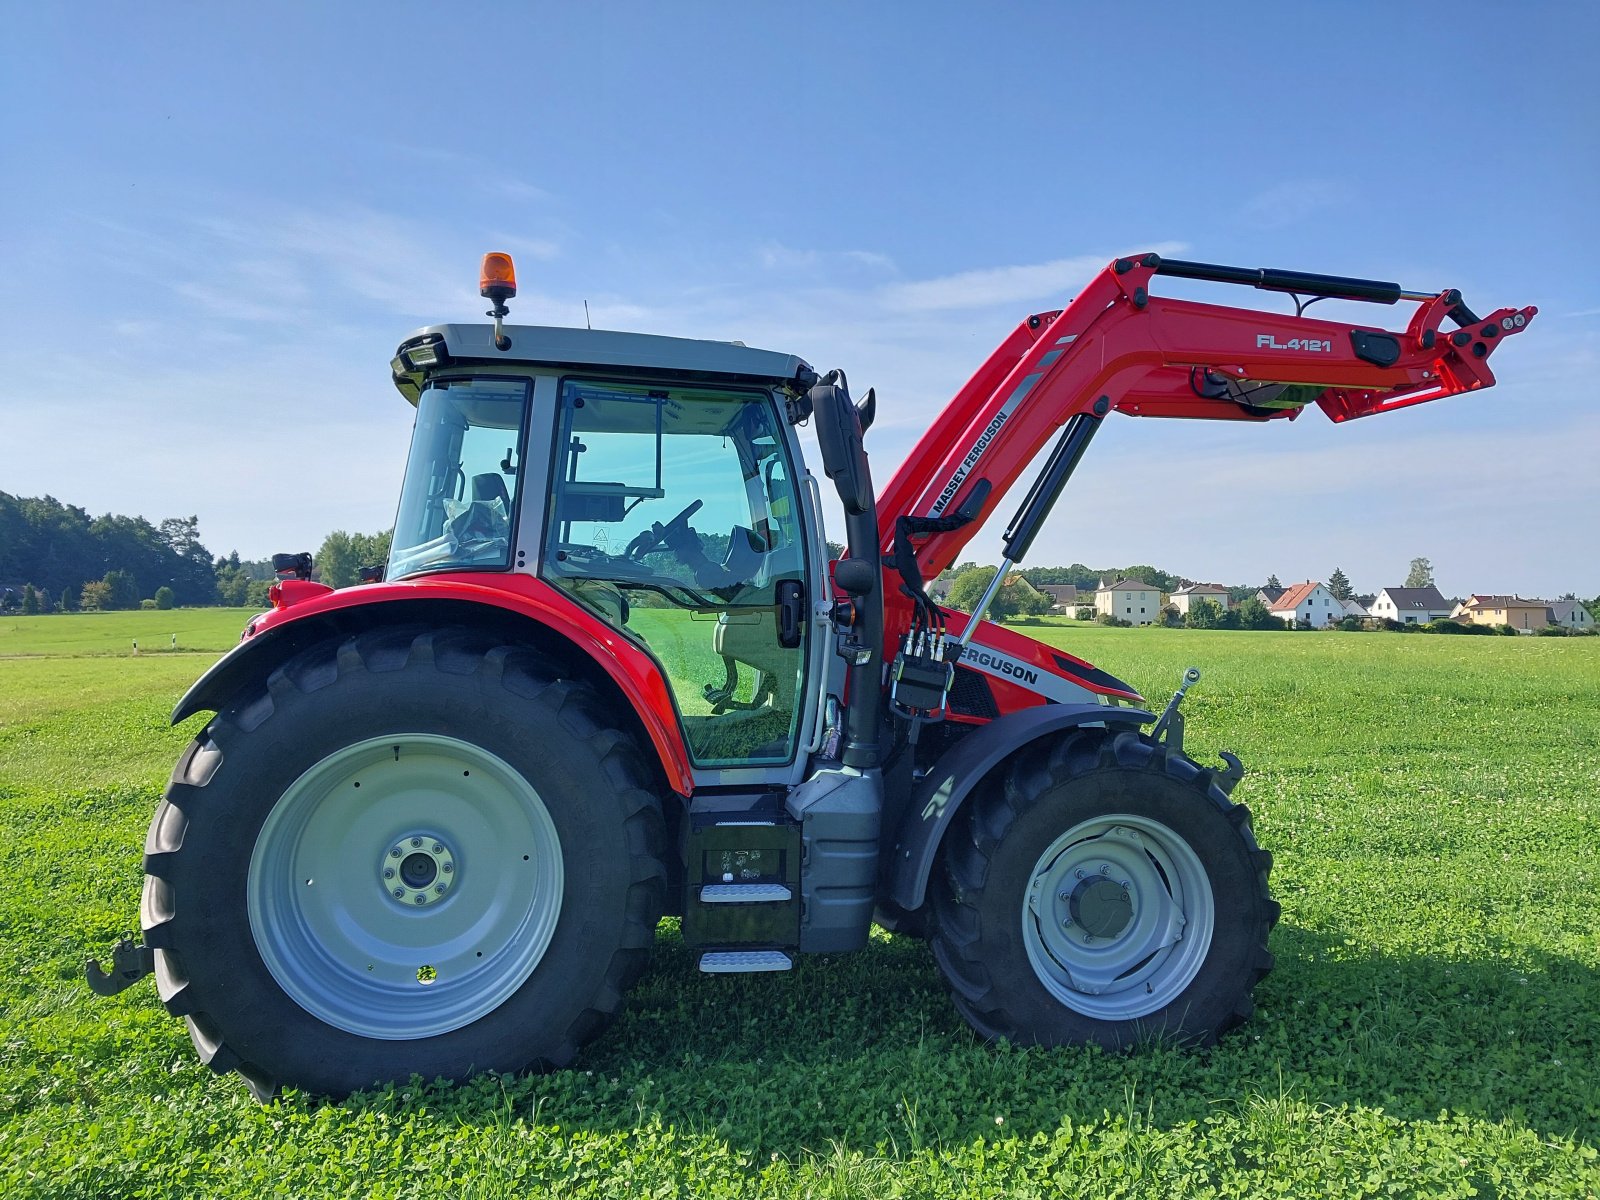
x=388, y=872
x=439, y=890
x=399, y=893
x=395, y=853
x=437, y=848
x=448, y=867
x=1105, y=868
x=1078, y=874
x=415, y=842
x=422, y=899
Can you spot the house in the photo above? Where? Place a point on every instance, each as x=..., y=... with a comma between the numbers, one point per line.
x=1310, y=603
x=1524, y=616
x=1185, y=596
x=1410, y=606
x=1063, y=596
x=1571, y=614
x=1129, y=600
x=1354, y=608
x=1270, y=595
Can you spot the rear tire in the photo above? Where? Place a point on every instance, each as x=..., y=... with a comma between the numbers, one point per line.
x=1107, y=892
x=412, y=852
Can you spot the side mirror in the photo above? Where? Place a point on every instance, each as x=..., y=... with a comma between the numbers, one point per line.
x=844, y=457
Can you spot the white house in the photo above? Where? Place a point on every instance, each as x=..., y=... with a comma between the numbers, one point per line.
x=1129, y=600
x=1571, y=614
x=1411, y=606
x=1185, y=596
x=1354, y=608
x=1309, y=602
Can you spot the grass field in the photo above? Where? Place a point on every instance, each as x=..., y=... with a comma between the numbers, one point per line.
x=1430, y=1029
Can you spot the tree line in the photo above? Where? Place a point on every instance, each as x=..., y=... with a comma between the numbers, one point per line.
x=56, y=557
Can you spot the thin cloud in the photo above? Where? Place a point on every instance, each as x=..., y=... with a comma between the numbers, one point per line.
x=1293, y=201
x=993, y=286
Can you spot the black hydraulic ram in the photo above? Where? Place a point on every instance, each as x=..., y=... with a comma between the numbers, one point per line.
x=1069, y=449
x=1305, y=283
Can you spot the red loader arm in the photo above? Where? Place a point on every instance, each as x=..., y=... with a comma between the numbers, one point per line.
x=1118, y=347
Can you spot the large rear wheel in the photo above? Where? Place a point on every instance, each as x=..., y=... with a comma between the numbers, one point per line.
x=1108, y=892
x=412, y=852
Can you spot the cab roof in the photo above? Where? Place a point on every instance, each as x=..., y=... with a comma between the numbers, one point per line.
x=542, y=345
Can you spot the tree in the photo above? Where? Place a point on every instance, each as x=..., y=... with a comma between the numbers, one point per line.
x=164, y=597
x=1203, y=614
x=1421, y=574
x=96, y=596
x=30, y=601
x=1254, y=615
x=122, y=590
x=342, y=556
x=1272, y=582
x=69, y=599
x=968, y=589
x=1339, y=585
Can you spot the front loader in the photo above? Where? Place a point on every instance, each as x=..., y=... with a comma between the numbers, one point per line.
x=610, y=672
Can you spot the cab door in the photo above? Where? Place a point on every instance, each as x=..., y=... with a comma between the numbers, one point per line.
x=674, y=516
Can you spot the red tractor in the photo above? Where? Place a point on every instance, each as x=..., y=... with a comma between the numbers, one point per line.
x=610, y=673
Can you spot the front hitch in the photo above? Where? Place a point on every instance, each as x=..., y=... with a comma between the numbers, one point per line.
x=1168, y=732
x=129, y=964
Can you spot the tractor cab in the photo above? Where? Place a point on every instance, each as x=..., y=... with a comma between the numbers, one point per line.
x=657, y=482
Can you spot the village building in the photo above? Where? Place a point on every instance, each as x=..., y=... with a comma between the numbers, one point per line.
x=1185, y=596
x=1571, y=614
x=1129, y=600
x=1309, y=603
x=1525, y=616
x=1063, y=596
x=1411, y=606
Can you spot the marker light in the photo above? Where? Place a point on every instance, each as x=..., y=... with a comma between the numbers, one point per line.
x=498, y=279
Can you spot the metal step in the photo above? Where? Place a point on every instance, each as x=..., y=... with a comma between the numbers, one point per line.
x=744, y=893
x=727, y=962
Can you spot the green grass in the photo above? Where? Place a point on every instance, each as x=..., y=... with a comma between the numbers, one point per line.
x=1430, y=1029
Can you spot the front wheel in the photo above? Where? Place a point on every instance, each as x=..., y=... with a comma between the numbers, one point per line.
x=1108, y=892
x=410, y=852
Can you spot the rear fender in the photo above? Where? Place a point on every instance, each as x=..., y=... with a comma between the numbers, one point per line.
x=517, y=608
x=939, y=795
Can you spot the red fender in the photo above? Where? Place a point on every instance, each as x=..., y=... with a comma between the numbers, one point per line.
x=635, y=673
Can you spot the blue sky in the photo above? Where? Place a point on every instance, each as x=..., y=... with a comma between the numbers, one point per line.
x=218, y=221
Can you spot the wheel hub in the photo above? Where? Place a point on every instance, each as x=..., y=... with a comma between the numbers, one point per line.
x=1101, y=907
x=418, y=869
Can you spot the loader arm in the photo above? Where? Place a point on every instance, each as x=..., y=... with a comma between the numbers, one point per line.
x=1117, y=347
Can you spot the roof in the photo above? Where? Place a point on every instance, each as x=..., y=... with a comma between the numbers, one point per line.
x=1271, y=593
x=558, y=346
x=1417, y=599
x=1476, y=601
x=1292, y=597
x=1059, y=592
x=1129, y=585
x=1201, y=589
x=1566, y=610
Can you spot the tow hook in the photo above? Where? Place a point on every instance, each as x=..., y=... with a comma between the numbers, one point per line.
x=129, y=964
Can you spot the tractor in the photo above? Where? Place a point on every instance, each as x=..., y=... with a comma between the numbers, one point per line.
x=611, y=672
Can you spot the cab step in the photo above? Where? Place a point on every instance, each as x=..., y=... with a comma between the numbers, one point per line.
x=733, y=962
x=744, y=893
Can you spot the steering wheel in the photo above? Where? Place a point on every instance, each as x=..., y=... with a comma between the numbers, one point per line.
x=656, y=534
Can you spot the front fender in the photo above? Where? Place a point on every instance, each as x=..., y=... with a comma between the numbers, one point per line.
x=940, y=793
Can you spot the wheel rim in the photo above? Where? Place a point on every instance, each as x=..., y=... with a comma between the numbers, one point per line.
x=1119, y=917
x=405, y=886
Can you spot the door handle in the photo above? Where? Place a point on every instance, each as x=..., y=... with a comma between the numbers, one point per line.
x=791, y=612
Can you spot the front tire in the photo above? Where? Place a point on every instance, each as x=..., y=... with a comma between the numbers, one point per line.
x=412, y=852
x=1108, y=892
